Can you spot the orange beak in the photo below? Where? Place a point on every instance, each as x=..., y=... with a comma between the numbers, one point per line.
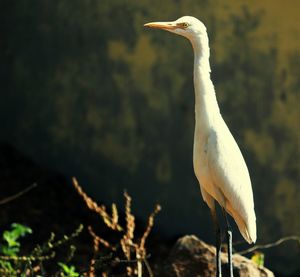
x=161, y=25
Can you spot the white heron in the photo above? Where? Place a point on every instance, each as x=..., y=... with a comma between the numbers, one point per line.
x=218, y=163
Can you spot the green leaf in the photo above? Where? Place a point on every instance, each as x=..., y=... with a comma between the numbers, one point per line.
x=20, y=230
x=11, y=237
x=258, y=258
x=69, y=271
x=8, y=268
x=9, y=251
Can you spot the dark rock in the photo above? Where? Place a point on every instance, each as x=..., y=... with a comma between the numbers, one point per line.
x=191, y=257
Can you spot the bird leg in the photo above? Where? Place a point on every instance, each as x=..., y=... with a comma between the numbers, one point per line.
x=218, y=243
x=229, y=243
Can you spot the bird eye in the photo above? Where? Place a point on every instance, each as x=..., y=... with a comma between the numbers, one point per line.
x=183, y=25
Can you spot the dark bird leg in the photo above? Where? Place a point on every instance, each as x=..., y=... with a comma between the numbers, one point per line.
x=229, y=244
x=218, y=243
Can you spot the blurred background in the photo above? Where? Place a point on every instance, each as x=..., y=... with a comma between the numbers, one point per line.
x=88, y=91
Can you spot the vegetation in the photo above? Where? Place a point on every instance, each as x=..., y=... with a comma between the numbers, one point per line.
x=122, y=255
x=12, y=264
x=133, y=250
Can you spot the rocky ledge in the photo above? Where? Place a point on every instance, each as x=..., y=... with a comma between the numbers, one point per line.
x=191, y=256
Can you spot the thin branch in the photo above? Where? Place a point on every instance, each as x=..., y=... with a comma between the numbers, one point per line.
x=132, y=260
x=17, y=195
x=269, y=245
x=98, y=240
x=110, y=221
x=149, y=227
x=28, y=258
x=66, y=238
x=148, y=268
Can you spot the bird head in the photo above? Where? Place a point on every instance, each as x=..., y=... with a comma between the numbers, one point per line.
x=187, y=26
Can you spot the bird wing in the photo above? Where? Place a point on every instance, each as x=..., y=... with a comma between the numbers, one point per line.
x=230, y=175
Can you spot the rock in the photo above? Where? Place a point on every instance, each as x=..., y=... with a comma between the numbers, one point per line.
x=191, y=257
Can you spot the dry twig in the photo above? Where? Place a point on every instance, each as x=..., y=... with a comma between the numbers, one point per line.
x=128, y=244
x=17, y=195
x=98, y=240
x=110, y=221
x=149, y=227
x=269, y=245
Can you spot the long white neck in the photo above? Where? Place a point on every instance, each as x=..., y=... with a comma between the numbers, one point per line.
x=206, y=106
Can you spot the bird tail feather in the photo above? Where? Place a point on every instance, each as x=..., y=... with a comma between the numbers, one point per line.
x=247, y=228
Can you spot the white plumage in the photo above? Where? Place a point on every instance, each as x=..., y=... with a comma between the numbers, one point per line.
x=218, y=163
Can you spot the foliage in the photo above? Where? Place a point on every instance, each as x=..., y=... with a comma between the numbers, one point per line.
x=68, y=271
x=11, y=246
x=258, y=258
x=33, y=264
x=11, y=239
